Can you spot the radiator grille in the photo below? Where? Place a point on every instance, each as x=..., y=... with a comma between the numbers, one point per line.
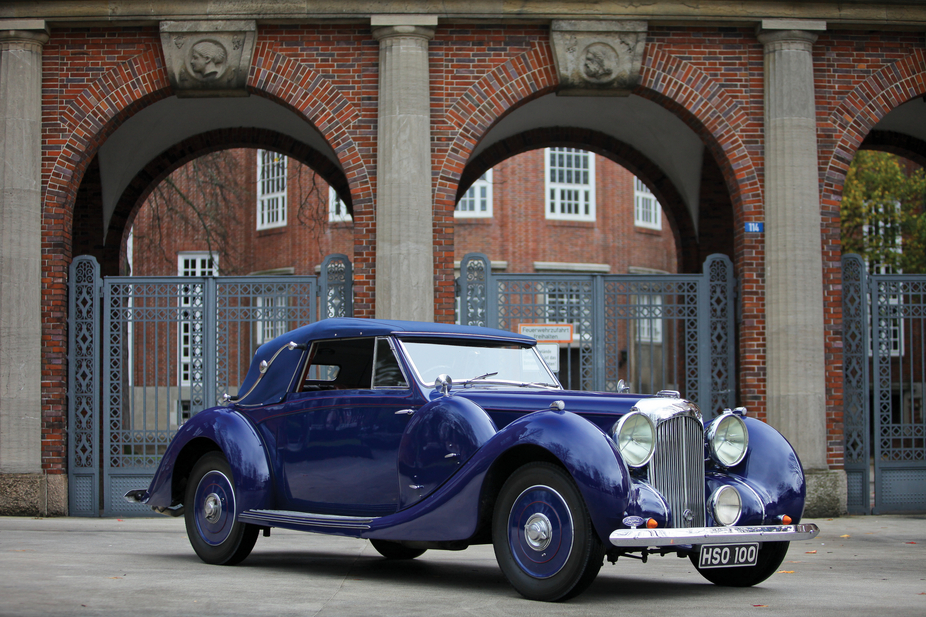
x=677, y=469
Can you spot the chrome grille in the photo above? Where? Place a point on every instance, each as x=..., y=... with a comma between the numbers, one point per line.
x=677, y=468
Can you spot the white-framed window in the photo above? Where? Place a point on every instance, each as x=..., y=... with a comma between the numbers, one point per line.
x=189, y=328
x=477, y=201
x=885, y=232
x=570, y=184
x=337, y=209
x=271, y=189
x=646, y=210
x=271, y=321
x=649, y=319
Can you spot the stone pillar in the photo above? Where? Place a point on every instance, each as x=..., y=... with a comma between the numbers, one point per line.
x=796, y=383
x=404, y=236
x=21, y=479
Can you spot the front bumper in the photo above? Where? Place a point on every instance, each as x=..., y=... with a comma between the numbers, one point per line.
x=643, y=538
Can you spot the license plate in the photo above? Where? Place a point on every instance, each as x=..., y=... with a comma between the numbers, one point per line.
x=728, y=555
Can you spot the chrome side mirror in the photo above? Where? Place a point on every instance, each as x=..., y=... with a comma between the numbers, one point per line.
x=443, y=383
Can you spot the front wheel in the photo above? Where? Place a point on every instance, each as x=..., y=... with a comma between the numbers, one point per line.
x=210, y=507
x=544, y=540
x=769, y=558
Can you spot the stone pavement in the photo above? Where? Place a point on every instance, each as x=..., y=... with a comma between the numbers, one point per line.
x=857, y=566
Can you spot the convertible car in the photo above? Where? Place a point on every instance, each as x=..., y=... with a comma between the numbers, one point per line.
x=423, y=436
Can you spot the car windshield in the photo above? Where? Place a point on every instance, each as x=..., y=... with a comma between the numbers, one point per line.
x=473, y=364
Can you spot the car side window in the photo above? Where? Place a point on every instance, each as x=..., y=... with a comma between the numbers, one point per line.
x=387, y=373
x=343, y=364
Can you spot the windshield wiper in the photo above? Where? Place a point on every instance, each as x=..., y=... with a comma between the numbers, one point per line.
x=507, y=382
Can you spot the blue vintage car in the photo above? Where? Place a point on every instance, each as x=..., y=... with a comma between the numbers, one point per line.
x=424, y=436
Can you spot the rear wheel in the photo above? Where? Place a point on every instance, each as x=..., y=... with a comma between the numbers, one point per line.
x=210, y=507
x=395, y=550
x=544, y=540
x=767, y=561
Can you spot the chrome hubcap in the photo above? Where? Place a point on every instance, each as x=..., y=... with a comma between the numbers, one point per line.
x=212, y=508
x=538, y=532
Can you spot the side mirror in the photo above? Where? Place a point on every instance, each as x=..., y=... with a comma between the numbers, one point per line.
x=443, y=383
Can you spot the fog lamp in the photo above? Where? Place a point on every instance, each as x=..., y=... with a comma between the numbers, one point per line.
x=726, y=506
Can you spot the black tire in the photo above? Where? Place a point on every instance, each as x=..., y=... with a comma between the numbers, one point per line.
x=210, y=508
x=770, y=556
x=396, y=550
x=544, y=540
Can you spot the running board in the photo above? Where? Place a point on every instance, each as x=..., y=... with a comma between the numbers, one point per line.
x=304, y=519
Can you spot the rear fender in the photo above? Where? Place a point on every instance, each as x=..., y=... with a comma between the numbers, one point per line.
x=219, y=429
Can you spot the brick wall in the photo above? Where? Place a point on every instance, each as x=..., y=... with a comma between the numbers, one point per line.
x=712, y=78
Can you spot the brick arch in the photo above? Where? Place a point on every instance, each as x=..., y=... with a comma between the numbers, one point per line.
x=863, y=108
x=311, y=96
x=686, y=244
x=701, y=103
x=141, y=186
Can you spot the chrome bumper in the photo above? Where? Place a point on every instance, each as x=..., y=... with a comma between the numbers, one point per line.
x=713, y=535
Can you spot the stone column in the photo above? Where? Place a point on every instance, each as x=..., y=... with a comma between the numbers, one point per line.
x=21, y=480
x=404, y=236
x=796, y=383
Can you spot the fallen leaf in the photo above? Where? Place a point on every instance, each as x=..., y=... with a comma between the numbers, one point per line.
x=911, y=542
x=760, y=605
x=786, y=572
x=811, y=553
x=845, y=536
x=115, y=577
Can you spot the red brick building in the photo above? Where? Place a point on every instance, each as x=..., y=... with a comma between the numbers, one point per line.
x=742, y=117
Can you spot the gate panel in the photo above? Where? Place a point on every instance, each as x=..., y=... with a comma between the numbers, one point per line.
x=84, y=388
x=898, y=315
x=855, y=362
x=170, y=347
x=653, y=331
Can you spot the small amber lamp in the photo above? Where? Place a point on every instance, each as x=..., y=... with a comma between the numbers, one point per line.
x=785, y=519
x=652, y=524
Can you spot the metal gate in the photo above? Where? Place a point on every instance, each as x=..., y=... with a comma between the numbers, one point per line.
x=884, y=372
x=656, y=332
x=146, y=353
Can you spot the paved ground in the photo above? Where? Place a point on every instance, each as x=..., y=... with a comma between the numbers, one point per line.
x=67, y=566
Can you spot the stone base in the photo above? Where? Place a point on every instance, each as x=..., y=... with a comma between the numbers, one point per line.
x=827, y=494
x=33, y=494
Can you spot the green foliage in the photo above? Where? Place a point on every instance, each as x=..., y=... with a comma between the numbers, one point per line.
x=882, y=210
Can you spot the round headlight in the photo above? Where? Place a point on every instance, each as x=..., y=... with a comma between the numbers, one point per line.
x=635, y=437
x=728, y=439
x=726, y=505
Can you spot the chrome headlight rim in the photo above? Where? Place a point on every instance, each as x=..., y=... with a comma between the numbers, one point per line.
x=716, y=506
x=717, y=439
x=621, y=425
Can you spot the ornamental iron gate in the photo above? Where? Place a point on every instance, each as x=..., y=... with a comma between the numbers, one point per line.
x=146, y=353
x=884, y=372
x=655, y=332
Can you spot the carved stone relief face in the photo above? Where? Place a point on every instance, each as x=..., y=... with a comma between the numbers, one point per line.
x=599, y=61
x=207, y=60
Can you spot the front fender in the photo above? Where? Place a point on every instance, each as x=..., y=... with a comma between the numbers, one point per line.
x=772, y=469
x=453, y=511
x=219, y=428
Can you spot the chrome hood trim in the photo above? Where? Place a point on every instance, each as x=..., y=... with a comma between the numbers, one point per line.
x=660, y=408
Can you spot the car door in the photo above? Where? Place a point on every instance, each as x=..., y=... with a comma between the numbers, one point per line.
x=336, y=441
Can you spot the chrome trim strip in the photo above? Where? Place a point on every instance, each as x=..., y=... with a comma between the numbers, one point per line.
x=643, y=538
x=287, y=517
x=264, y=367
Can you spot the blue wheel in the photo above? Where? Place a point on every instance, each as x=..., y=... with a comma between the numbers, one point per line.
x=209, y=512
x=544, y=540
